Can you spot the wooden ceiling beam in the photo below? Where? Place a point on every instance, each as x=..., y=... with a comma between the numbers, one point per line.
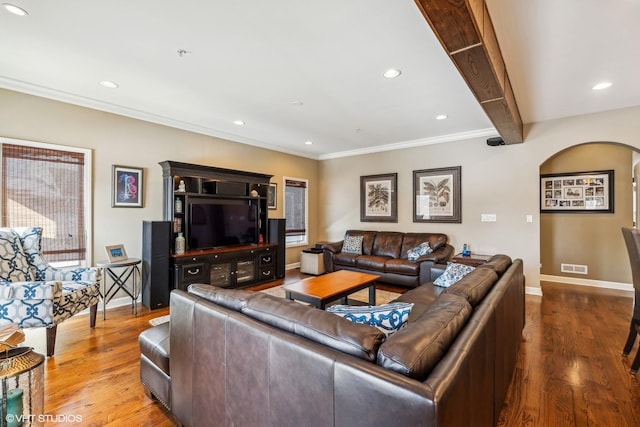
x=465, y=31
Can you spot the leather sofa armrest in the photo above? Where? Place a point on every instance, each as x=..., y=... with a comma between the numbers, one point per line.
x=439, y=256
x=333, y=247
x=328, y=249
x=427, y=262
x=437, y=270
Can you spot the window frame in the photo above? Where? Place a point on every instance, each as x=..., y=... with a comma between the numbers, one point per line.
x=88, y=189
x=305, y=240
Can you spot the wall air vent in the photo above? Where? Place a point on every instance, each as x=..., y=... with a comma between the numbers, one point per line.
x=574, y=268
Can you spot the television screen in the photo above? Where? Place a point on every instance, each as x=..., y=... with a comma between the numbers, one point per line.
x=217, y=223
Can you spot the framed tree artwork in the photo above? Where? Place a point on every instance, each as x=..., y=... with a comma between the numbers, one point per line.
x=378, y=198
x=437, y=195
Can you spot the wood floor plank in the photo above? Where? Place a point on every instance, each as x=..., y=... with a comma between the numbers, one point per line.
x=569, y=371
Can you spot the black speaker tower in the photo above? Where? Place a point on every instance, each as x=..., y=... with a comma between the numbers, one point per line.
x=276, y=235
x=156, y=248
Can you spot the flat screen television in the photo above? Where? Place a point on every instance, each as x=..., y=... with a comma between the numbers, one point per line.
x=217, y=223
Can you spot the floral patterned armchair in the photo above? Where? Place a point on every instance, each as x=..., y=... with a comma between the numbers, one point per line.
x=33, y=293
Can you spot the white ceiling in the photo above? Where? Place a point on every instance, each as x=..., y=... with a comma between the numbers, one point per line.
x=256, y=61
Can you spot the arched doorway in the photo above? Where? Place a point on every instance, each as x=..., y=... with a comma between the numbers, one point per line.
x=590, y=240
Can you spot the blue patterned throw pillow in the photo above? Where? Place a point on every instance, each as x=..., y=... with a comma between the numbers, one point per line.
x=352, y=245
x=387, y=317
x=14, y=265
x=422, y=249
x=452, y=274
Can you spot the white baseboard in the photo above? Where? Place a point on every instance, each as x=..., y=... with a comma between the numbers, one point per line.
x=292, y=266
x=531, y=290
x=587, y=282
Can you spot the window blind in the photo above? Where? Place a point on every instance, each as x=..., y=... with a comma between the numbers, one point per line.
x=45, y=187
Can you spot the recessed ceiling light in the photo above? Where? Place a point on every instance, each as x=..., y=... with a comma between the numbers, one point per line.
x=238, y=122
x=602, y=85
x=441, y=117
x=16, y=10
x=109, y=84
x=392, y=73
x=308, y=143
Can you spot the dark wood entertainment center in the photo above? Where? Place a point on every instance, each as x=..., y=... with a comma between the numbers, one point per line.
x=235, y=265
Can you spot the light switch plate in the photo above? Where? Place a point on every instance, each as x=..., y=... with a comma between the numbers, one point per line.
x=488, y=218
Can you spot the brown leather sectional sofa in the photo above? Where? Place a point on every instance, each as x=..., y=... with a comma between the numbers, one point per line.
x=385, y=253
x=250, y=359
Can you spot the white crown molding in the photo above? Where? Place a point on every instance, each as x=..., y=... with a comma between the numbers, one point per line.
x=488, y=132
x=69, y=98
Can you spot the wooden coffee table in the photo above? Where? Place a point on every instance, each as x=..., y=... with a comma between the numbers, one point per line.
x=321, y=290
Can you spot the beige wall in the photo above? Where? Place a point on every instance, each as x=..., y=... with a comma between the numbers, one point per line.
x=123, y=141
x=583, y=238
x=498, y=180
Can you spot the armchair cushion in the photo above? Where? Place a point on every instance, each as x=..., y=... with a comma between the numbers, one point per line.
x=15, y=264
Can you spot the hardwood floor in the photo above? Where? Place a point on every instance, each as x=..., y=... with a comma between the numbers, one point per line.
x=569, y=371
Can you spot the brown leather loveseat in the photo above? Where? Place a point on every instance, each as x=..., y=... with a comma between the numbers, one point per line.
x=246, y=358
x=385, y=253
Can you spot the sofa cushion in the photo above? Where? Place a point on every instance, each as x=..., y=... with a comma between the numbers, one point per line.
x=402, y=266
x=475, y=285
x=422, y=297
x=14, y=264
x=371, y=262
x=386, y=317
x=422, y=249
x=352, y=245
x=388, y=244
x=324, y=328
x=498, y=263
x=345, y=259
x=233, y=299
x=414, y=350
x=452, y=274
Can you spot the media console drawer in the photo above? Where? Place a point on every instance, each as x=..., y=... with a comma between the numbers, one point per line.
x=226, y=267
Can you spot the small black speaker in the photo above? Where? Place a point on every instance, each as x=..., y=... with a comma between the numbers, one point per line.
x=276, y=235
x=156, y=249
x=494, y=142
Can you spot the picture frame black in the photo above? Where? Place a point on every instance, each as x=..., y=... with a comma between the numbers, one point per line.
x=272, y=196
x=127, y=186
x=437, y=195
x=379, y=198
x=577, y=192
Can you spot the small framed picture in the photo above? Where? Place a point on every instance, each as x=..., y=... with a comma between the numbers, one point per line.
x=126, y=187
x=272, y=196
x=116, y=253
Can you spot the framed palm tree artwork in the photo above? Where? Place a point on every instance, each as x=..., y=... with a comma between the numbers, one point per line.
x=437, y=195
x=378, y=198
